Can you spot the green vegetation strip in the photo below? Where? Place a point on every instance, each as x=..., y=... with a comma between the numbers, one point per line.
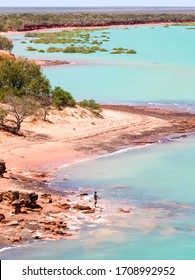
x=26, y=22
x=73, y=49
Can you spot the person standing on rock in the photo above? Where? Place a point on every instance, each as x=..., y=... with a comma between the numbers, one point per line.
x=96, y=197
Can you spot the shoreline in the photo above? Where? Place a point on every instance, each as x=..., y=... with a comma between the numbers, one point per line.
x=88, y=27
x=38, y=159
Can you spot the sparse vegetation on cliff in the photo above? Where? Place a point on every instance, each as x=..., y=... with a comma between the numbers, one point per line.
x=24, y=91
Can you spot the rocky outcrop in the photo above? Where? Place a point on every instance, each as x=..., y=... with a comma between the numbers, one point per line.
x=26, y=216
x=19, y=200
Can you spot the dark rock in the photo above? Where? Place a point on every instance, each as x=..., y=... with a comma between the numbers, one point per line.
x=64, y=206
x=15, y=195
x=33, y=197
x=17, y=205
x=83, y=194
x=62, y=225
x=2, y=167
x=30, y=200
x=37, y=236
x=2, y=217
x=82, y=207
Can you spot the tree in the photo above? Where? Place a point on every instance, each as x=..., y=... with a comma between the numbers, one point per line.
x=62, y=98
x=5, y=44
x=22, y=77
x=19, y=109
x=45, y=104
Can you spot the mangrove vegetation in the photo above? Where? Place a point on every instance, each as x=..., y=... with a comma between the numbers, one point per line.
x=29, y=22
x=84, y=41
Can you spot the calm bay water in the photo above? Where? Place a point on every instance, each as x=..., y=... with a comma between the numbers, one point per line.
x=157, y=181
x=162, y=71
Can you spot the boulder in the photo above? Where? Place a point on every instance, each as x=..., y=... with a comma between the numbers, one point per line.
x=29, y=200
x=15, y=195
x=15, y=239
x=64, y=206
x=17, y=204
x=83, y=194
x=82, y=207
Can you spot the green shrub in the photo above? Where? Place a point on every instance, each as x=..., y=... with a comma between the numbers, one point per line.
x=90, y=104
x=53, y=49
x=5, y=44
x=131, y=52
x=122, y=50
x=62, y=98
x=31, y=49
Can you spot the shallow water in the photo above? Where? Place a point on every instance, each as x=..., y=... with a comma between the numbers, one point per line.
x=162, y=70
x=157, y=181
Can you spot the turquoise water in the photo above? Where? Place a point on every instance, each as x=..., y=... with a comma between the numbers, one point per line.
x=157, y=181
x=162, y=70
